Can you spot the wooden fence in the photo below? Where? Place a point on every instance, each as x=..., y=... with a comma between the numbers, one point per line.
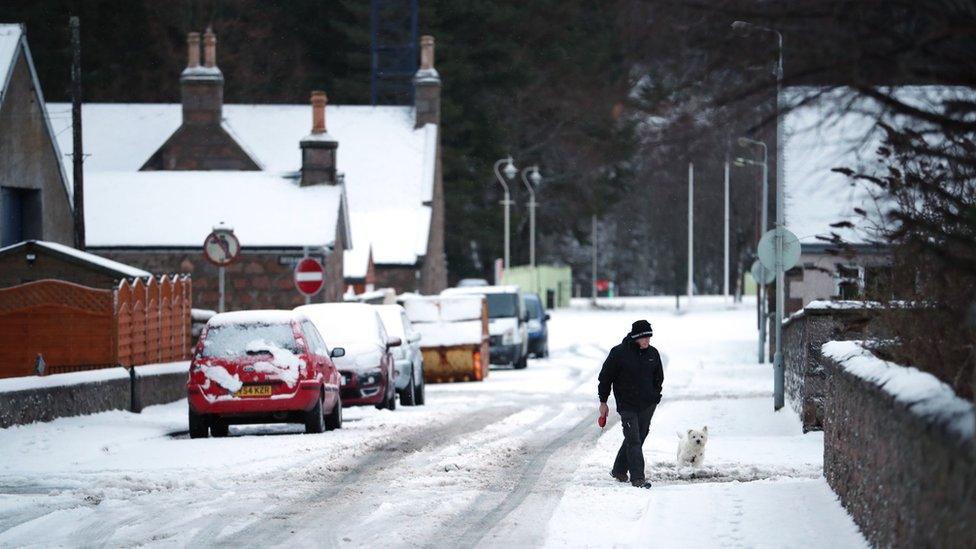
x=75, y=327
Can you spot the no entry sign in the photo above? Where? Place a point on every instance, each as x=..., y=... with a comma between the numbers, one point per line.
x=309, y=276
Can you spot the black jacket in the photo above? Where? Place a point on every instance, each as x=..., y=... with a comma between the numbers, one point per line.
x=635, y=374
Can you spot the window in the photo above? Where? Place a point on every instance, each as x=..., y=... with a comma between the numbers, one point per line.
x=503, y=305
x=20, y=215
x=314, y=339
x=234, y=340
x=849, y=282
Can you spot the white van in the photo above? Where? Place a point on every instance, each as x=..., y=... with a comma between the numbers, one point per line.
x=508, y=320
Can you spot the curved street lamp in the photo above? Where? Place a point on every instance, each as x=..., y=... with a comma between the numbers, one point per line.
x=510, y=171
x=531, y=174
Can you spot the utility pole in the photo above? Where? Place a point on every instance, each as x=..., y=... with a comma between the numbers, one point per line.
x=691, y=228
x=594, y=258
x=77, y=153
x=725, y=277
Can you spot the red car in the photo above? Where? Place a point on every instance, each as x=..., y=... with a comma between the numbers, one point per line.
x=262, y=367
x=368, y=369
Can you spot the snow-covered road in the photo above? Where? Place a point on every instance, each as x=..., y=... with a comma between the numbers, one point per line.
x=516, y=461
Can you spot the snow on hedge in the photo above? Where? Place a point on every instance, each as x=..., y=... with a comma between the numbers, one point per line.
x=922, y=392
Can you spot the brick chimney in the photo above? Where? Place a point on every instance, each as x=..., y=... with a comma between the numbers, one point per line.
x=427, y=86
x=318, y=147
x=202, y=87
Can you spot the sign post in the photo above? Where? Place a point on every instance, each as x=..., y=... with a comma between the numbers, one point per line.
x=221, y=248
x=309, y=277
x=779, y=251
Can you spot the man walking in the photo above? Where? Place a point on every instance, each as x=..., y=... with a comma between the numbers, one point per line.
x=634, y=370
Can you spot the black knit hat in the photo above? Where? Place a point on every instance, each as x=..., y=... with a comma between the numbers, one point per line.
x=639, y=329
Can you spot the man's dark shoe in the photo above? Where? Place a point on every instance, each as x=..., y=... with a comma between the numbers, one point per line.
x=640, y=483
x=622, y=477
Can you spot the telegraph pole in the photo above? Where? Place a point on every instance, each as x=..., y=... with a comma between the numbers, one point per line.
x=691, y=228
x=77, y=152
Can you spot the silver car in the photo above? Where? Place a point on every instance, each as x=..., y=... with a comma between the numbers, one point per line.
x=408, y=357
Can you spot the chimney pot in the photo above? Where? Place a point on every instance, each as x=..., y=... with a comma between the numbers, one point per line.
x=426, y=52
x=193, y=50
x=319, y=100
x=209, y=48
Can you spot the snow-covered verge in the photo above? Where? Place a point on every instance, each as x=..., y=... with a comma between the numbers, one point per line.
x=920, y=391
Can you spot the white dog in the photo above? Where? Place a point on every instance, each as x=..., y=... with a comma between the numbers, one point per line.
x=691, y=447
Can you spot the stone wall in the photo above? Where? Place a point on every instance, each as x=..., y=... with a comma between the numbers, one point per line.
x=906, y=481
x=803, y=335
x=104, y=390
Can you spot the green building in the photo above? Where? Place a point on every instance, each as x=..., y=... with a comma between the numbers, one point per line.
x=553, y=284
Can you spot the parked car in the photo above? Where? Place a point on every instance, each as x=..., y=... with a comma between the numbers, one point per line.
x=368, y=369
x=262, y=367
x=471, y=282
x=409, y=361
x=538, y=326
x=507, y=323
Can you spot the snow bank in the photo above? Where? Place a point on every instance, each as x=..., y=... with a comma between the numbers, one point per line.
x=922, y=392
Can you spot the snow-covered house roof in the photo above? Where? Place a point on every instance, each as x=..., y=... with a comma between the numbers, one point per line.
x=387, y=164
x=13, y=43
x=838, y=129
x=95, y=261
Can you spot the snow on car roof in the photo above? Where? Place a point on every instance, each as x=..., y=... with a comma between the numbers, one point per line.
x=388, y=165
x=507, y=289
x=343, y=323
x=258, y=316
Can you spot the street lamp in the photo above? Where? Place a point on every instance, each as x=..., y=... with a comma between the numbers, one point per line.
x=510, y=171
x=531, y=174
x=779, y=376
x=760, y=284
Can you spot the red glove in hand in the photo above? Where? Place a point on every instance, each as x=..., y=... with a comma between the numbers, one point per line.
x=602, y=421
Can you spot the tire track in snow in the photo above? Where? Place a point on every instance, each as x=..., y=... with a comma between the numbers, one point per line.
x=529, y=478
x=281, y=524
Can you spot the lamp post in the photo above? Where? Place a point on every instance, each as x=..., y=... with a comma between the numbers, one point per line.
x=764, y=221
x=778, y=397
x=531, y=174
x=510, y=171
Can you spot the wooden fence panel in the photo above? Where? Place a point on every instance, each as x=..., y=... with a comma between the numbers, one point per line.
x=166, y=318
x=68, y=324
x=152, y=321
x=123, y=315
x=138, y=322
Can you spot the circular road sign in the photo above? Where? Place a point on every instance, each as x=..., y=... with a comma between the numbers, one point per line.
x=761, y=274
x=221, y=246
x=309, y=276
x=767, y=249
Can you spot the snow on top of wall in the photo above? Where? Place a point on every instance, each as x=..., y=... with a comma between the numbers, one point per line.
x=27, y=383
x=180, y=208
x=9, y=41
x=832, y=130
x=388, y=165
x=922, y=392
x=445, y=334
x=121, y=268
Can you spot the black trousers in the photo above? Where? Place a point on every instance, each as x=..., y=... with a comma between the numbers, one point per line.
x=630, y=457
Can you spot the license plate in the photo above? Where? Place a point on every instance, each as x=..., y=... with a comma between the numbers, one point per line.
x=254, y=391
